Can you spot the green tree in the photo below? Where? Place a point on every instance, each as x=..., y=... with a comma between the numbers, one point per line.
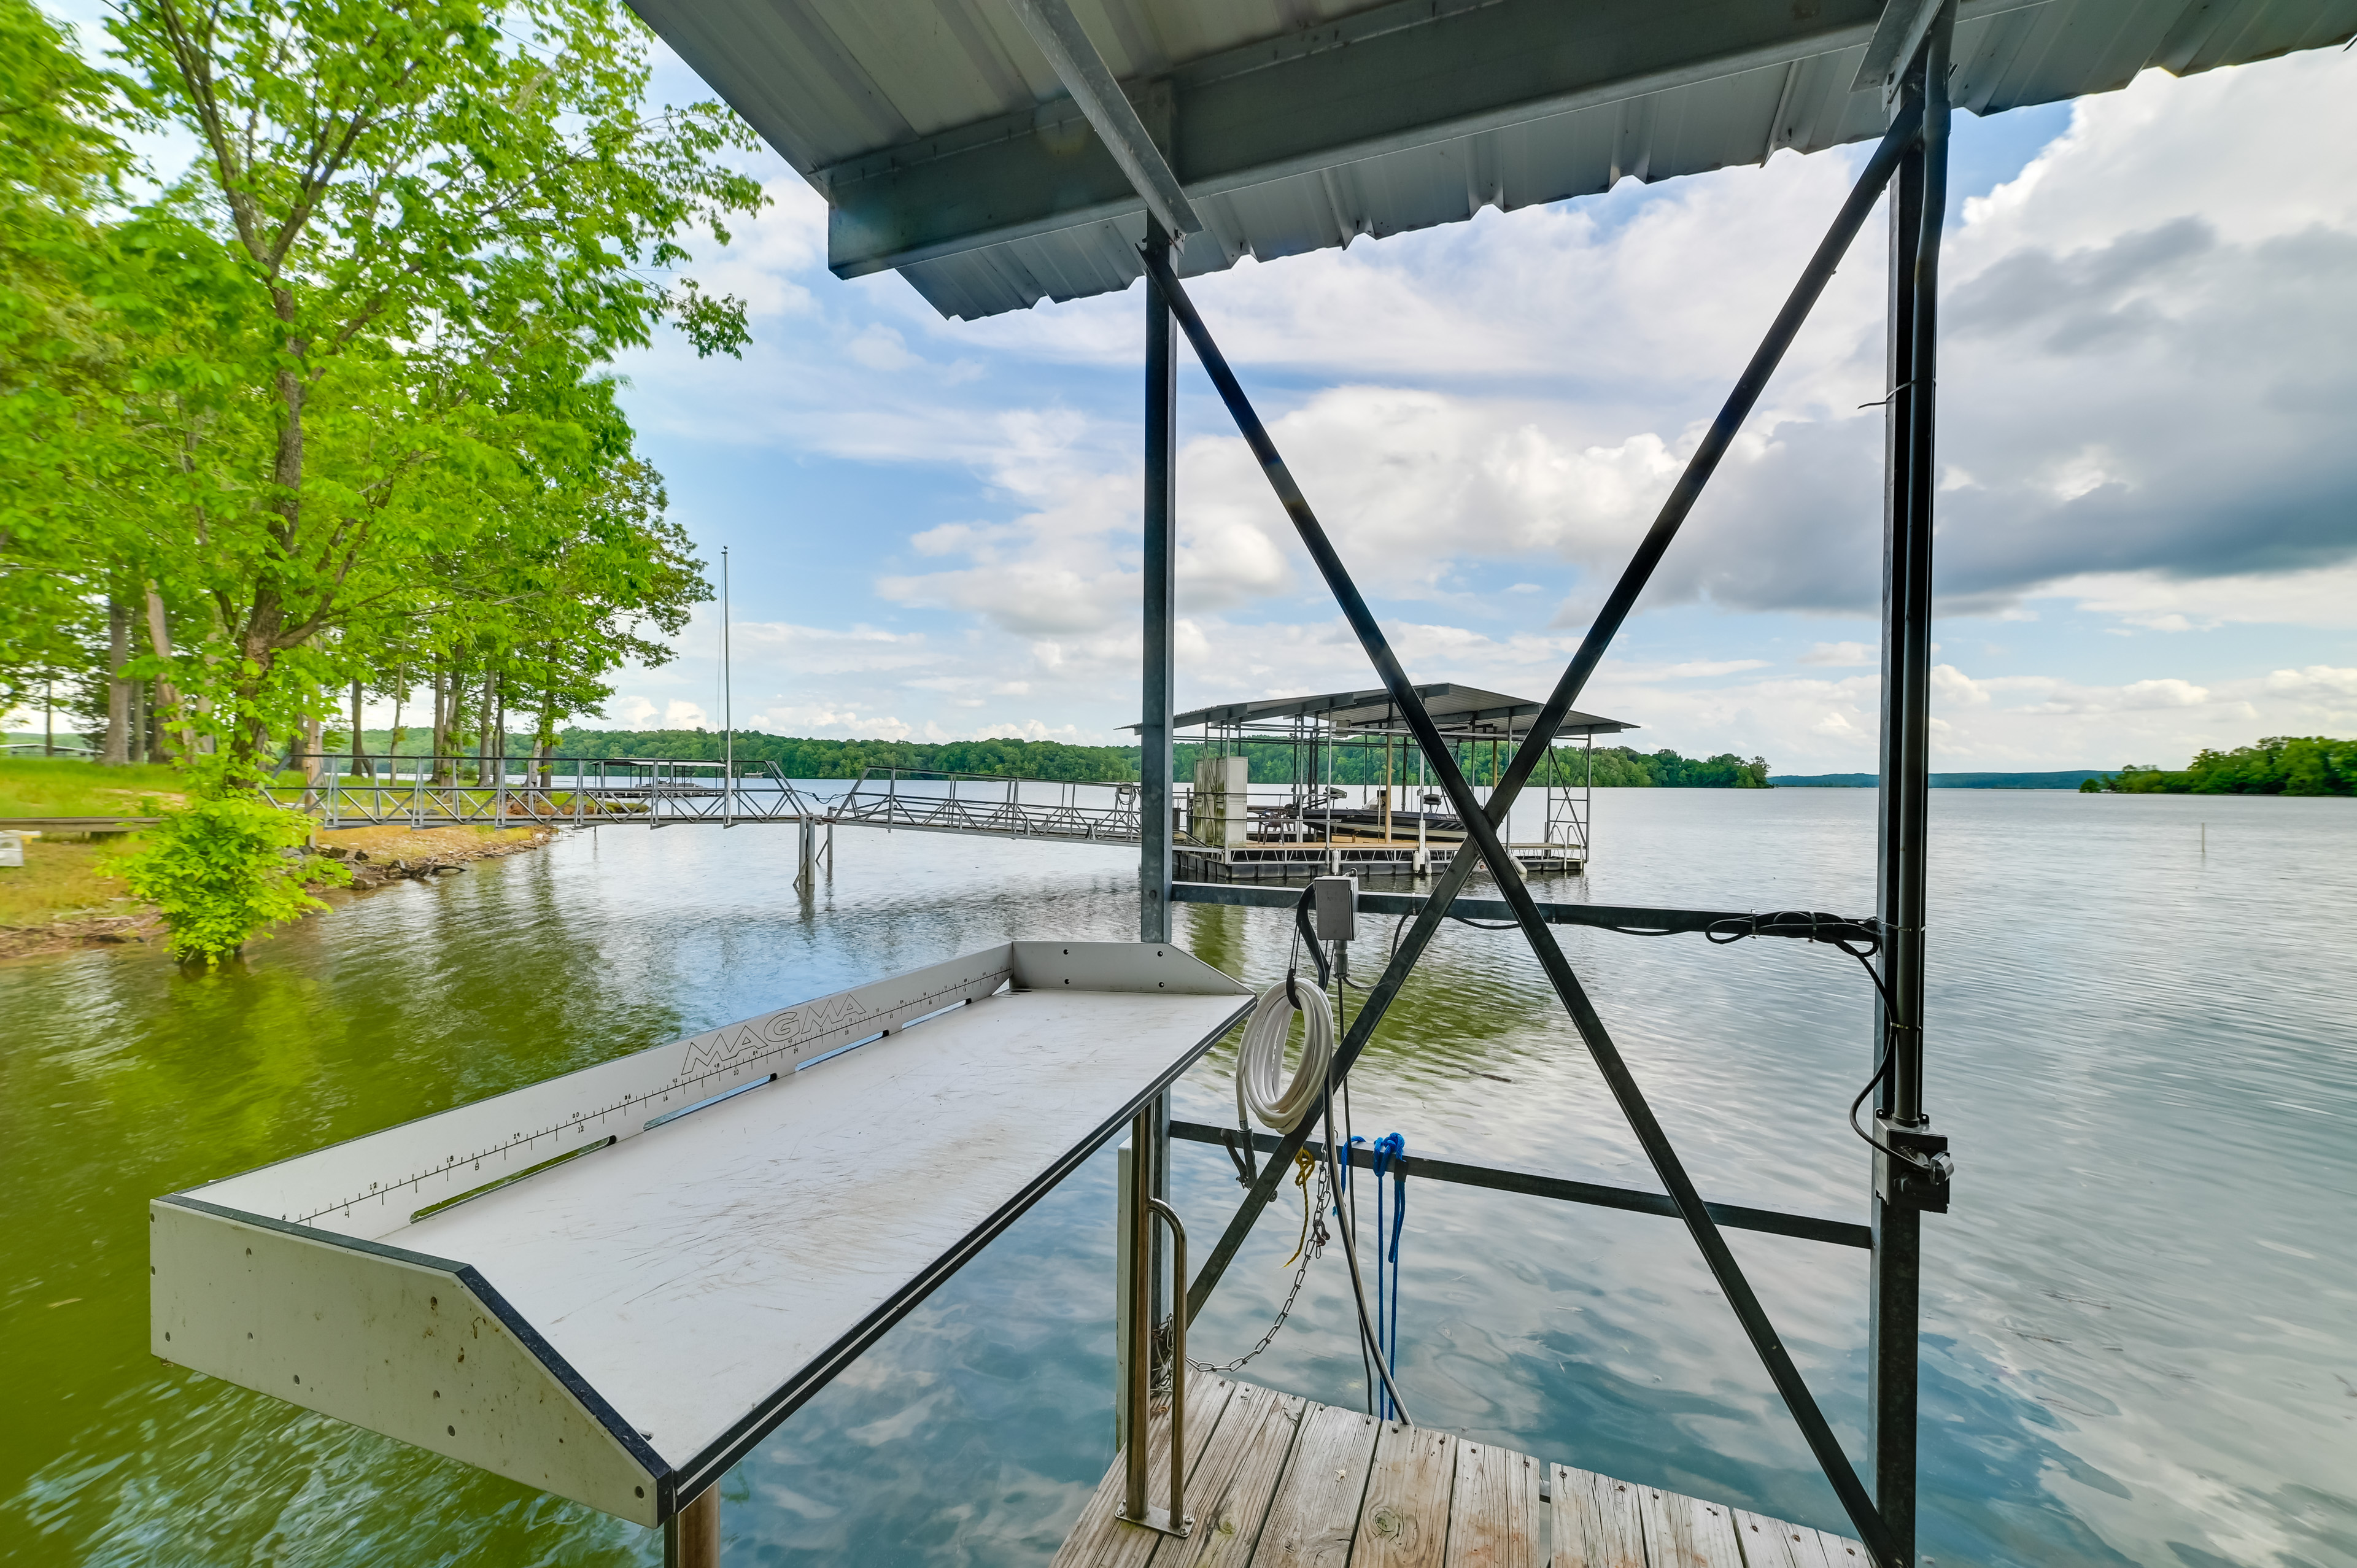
x=225, y=868
x=60, y=166
x=2277, y=765
x=415, y=235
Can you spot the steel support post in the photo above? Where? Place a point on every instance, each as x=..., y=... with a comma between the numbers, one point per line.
x=1157, y=694
x=1900, y=1194
x=1136, y=1361
x=1154, y=762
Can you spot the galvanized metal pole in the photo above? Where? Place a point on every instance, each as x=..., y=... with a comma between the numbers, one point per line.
x=1154, y=761
x=1918, y=200
x=728, y=710
x=1158, y=696
x=1137, y=1354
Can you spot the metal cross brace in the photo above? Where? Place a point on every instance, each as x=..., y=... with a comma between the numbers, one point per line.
x=1481, y=823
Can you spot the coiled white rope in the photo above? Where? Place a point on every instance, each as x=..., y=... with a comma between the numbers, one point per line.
x=1261, y=1060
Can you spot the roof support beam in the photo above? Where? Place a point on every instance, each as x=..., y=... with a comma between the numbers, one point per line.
x=1086, y=76
x=1393, y=78
x=1898, y=38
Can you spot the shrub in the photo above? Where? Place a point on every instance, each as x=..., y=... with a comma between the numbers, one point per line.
x=224, y=869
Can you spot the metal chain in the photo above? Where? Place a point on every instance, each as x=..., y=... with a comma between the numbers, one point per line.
x=1317, y=1244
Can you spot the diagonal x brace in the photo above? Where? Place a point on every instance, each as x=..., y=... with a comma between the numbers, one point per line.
x=1483, y=844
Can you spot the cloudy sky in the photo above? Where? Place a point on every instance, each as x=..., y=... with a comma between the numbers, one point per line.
x=2149, y=493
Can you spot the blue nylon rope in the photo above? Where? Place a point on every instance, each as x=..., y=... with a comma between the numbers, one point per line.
x=1385, y=1150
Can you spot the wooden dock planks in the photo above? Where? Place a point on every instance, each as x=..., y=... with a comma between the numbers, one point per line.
x=1404, y=1522
x=1228, y=1490
x=1314, y=1517
x=1775, y=1543
x=1595, y=1522
x=1686, y=1533
x=1276, y=1481
x=1102, y=1540
x=1493, y=1517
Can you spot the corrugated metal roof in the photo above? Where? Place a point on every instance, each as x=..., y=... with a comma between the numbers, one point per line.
x=1459, y=710
x=946, y=147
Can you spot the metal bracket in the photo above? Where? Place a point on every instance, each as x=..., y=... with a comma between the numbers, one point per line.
x=1156, y=1520
x=1905, y=1185
x=1898, y=38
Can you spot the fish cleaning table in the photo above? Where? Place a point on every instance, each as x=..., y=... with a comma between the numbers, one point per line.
x=612, y=1284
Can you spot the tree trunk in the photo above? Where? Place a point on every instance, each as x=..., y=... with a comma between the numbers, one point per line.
x=168, y=700
x=544, y=742
x=489, y=716
x=359, y=748
x=433, y=747
x=118, y=690
x=139, y=721
x=308, y=738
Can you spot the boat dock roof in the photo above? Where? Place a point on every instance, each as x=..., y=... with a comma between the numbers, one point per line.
x=1462, y=711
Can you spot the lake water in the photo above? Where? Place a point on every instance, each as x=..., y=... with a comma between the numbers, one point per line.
x=2140, y=1332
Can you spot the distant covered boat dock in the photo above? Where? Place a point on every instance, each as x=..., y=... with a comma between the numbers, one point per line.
x=1354, y=796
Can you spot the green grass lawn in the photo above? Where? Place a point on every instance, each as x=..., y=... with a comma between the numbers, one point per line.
x=62, y=787
x=62, y=881
x=64, y=877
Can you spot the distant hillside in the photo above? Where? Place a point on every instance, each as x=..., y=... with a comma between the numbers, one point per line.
x=1271, y=763
x=802, y=758
x=2069, y=779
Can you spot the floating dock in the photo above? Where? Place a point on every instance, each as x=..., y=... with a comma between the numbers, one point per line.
x=1277, y=1481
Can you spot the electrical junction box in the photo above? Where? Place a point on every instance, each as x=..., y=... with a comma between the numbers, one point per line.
x=1334, y=908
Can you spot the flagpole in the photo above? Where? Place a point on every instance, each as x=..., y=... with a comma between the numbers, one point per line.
x=727, y=714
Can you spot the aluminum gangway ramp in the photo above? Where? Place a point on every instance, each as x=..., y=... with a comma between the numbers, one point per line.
x=610, y=1286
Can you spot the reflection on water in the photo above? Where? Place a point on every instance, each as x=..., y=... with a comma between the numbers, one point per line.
x=2137, y=1319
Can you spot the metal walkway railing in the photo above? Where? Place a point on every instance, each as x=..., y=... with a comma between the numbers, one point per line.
x=563, y=791
x=991, y=805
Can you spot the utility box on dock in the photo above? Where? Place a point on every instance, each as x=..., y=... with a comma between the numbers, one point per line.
x=613, y=1284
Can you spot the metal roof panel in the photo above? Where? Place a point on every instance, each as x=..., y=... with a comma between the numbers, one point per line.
x=947, y=149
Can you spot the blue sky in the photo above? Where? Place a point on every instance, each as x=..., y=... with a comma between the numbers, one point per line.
x=2148, y=505
x=2147, y=523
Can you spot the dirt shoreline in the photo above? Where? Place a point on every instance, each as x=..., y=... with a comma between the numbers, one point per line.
x=378, y=856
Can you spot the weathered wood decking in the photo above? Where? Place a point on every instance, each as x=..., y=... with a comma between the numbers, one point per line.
x=1275, y=1481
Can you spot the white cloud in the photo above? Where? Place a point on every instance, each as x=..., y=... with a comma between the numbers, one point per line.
x=2326, y=597
x=827, y=721
x=879, y=347
x=2146, y=369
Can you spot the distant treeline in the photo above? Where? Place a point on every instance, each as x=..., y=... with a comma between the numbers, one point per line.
x=1617, y=766
x=2278, y=765
x=2063, y=778
x=800, y=758
x=1623, y=767
x=1272, y=763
